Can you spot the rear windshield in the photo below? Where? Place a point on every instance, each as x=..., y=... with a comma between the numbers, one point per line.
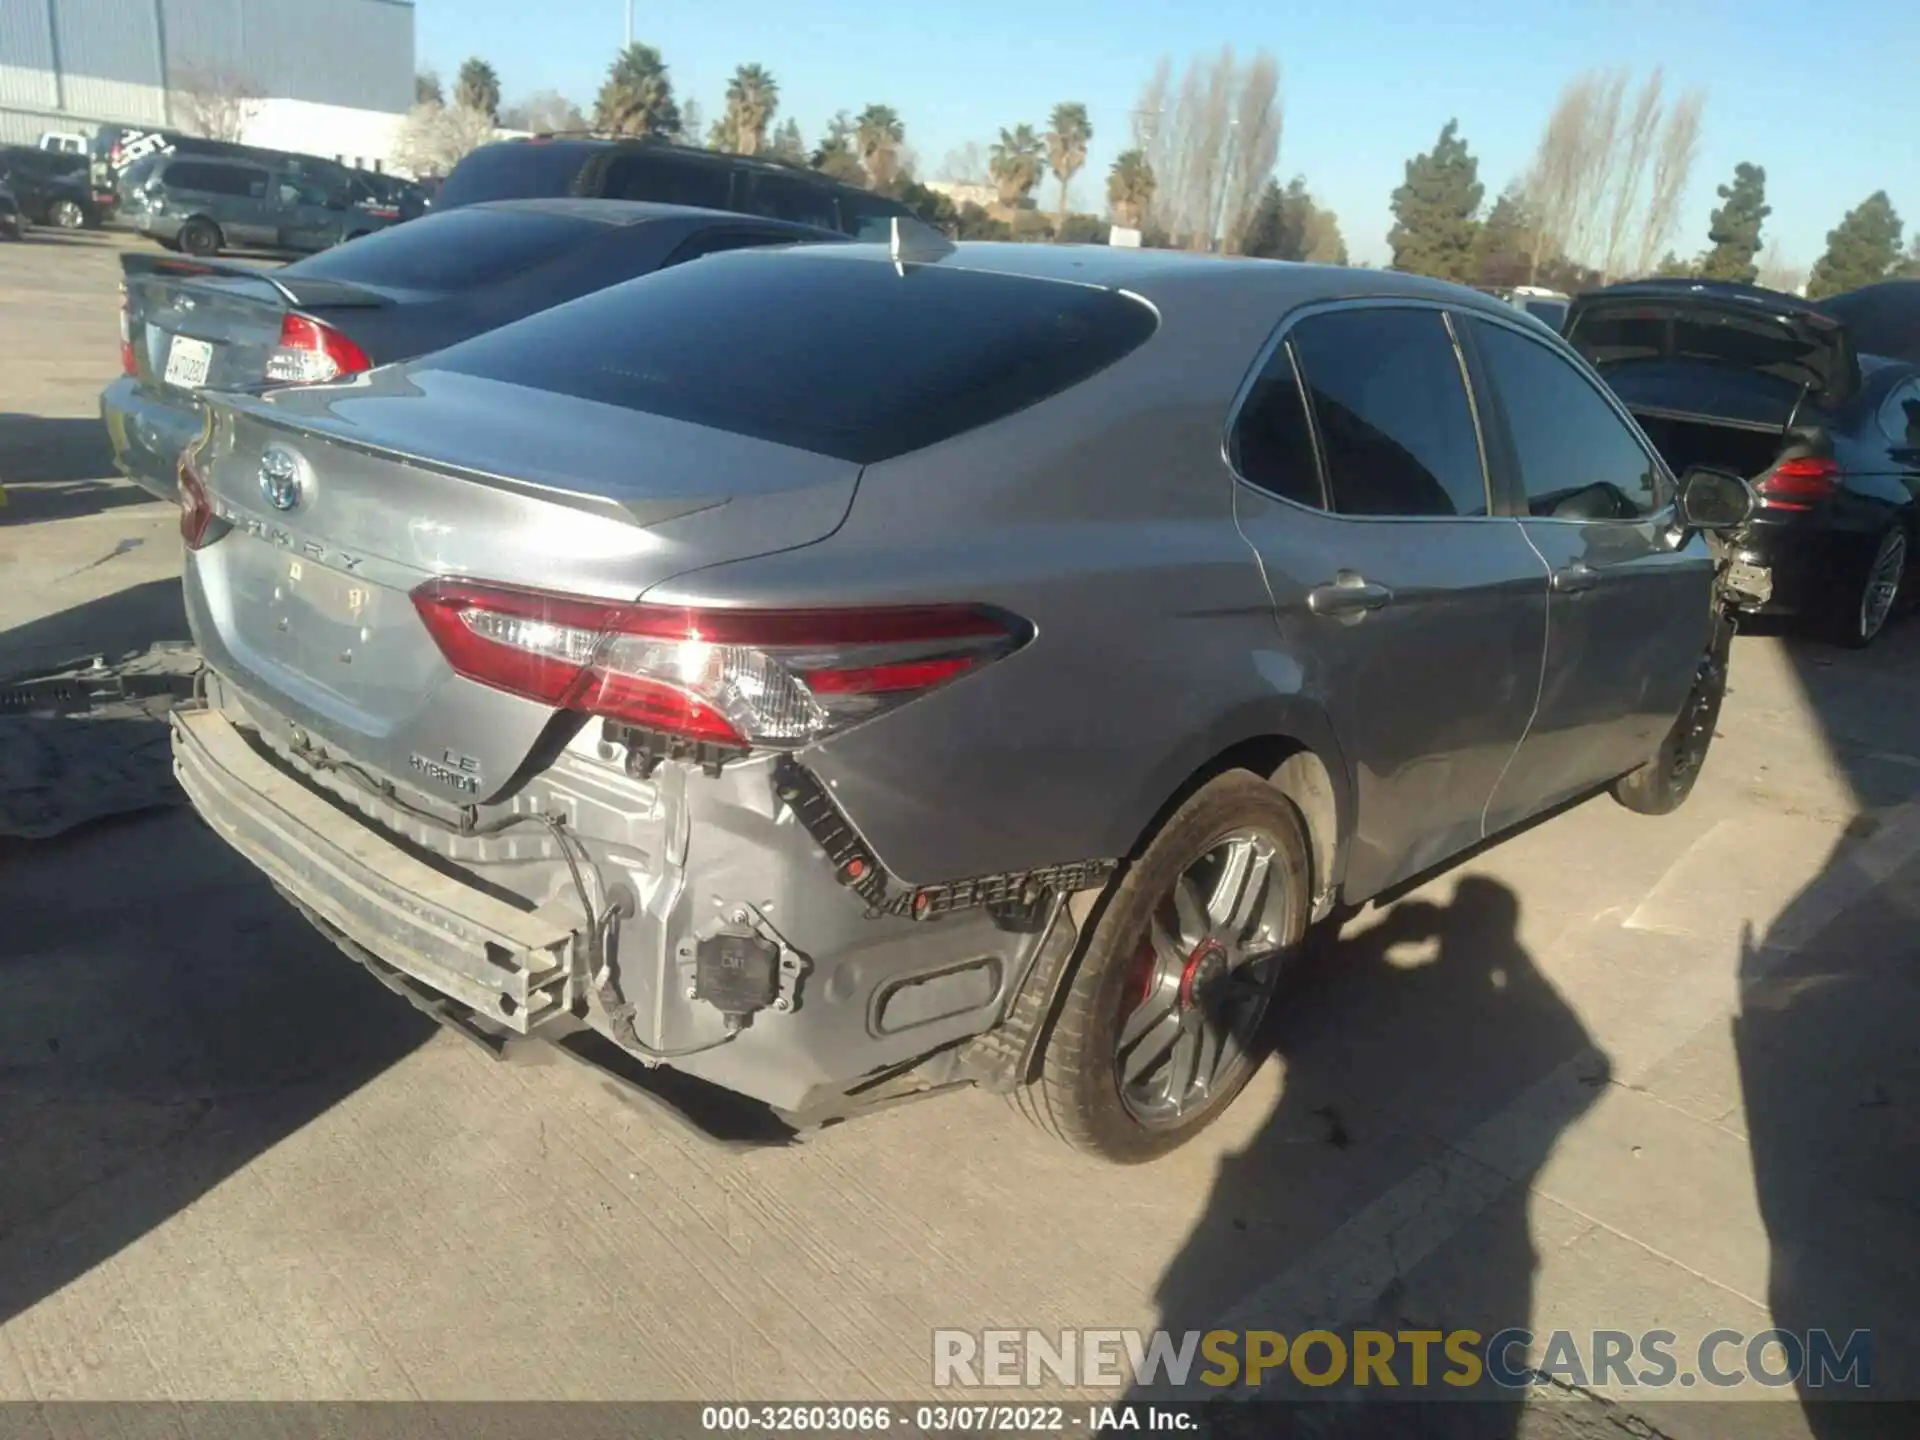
x=1624, y=335
x=847, y=358
x=512, y=170
x=451, y=250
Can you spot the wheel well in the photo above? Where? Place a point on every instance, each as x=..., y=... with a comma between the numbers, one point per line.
x=1299, y=773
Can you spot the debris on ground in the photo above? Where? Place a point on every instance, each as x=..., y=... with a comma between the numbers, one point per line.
x=90, y=740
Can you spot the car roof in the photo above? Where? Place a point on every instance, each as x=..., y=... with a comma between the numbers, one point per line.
x=1154, y=274
x=595, y=144
x=633, y=212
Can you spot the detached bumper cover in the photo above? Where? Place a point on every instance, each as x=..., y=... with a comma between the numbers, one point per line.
x=507, y=964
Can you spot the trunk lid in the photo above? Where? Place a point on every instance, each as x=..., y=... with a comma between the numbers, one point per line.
x=235, y=310
x=404, y=476
x=1659, y=331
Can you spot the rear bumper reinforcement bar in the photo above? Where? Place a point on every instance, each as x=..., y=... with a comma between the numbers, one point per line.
x=510, y=966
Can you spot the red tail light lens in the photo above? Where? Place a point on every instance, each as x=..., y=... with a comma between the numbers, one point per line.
x=736, y=677
x=311, y=352
x=1799, y=484
x=196, y=509
x=127, y=365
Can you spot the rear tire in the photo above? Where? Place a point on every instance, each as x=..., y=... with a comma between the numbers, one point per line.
x=1662, y=785
x=200, y=238
x=1864, y=616
x=1187, y=953
x=67, y=215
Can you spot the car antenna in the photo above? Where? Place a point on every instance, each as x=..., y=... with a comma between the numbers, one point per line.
x=914, y=243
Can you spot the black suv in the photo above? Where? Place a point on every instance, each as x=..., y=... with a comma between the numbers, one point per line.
x=546, y=167
x=51, y=187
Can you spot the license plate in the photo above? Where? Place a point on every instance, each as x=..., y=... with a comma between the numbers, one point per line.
x=1750, y=584
x=187, y=362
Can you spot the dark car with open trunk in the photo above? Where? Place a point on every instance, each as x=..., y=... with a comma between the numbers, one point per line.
x=1775, y=388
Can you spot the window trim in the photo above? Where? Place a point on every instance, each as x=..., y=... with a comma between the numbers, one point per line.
x=1282, y=335
x=1513, y=483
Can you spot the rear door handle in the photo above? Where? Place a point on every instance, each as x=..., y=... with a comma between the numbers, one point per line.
x=1578, y=576
x=1349, y=594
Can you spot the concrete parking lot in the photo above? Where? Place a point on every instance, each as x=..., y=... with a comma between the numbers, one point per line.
x=1616, y=1073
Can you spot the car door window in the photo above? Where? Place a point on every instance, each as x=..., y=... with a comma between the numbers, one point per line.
x=668, y=180
x=1272, y=441
x=1396, y=428
x=1577, y=459
x=1900, y=417
x=780, y=197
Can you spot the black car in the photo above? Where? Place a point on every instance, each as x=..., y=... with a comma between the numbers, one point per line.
x=623, y=169
x=11, y=225
x=1884, y=319
x=51, y=187
x=1774, y=388
x=189, y=326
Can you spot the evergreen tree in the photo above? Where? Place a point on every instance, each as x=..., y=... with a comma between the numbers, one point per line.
x=1862, y=248
x=1434, y=225
x=1735, y=229
x=1503, y=255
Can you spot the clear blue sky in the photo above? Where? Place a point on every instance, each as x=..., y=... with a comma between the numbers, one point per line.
x=1824, y=96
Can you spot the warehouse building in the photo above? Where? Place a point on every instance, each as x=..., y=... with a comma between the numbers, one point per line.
x=324, y=77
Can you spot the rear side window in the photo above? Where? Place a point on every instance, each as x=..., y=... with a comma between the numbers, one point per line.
x=512, y=170
x=1396, y=428
x=667, y=180
x=216, y=179
x=847, y=358
x=867, y=217
x=1272, y=440
x=452, y=250
x=782, y=197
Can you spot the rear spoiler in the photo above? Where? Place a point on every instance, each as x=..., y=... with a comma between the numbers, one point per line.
x=296, y=292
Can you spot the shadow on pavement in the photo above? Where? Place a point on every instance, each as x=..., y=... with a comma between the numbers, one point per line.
x=55, y=469
x=168, y=1019
x=115, y=625
x=1828, y=1044
x=1417, y=1025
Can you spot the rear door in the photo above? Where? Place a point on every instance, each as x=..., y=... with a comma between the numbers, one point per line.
x=1630, y=610
x=304, y=220
x=1419, y=612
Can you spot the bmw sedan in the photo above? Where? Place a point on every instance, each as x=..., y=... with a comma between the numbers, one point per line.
x=851, y=671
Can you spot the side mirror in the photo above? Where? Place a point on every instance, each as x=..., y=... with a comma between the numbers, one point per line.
x=1714, y=499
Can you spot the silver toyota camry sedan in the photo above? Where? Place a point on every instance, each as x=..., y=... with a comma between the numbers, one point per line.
x=843, y=672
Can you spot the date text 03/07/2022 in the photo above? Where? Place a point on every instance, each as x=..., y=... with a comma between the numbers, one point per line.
x=980, y=1419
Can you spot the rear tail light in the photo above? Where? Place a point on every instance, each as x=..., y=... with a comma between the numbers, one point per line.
x=196, y=509
x=1799, y=484
x=731, y=677
x=311, y=351
x=127, y=365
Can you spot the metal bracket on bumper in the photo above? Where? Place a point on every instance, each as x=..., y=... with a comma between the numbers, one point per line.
x=508, y=965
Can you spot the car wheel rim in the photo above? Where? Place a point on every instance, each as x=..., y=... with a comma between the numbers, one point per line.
x=67, y=215
x=1201, y=983
x=1883, y=584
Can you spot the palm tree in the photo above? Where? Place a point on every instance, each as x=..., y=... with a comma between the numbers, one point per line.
x=752, y=97
x=878, y=136
x=1015, y=163
x=637, y=98
x=1130, y=188
x=1068, y=133
x=478, y=88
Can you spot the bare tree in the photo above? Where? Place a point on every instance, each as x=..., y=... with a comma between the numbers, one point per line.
x=1211, y=145
x=1637, y=144
x=966, y=165
x=215, y=103
x=1672, y=169
x=1607, y=181
x=1778, y=272
x=434, y=138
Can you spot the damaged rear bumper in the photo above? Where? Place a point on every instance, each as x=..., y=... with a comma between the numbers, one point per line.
x=512, y=966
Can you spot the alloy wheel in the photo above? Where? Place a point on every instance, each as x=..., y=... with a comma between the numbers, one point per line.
x=1206, y=972
x=1883, y=583
x=68, y=216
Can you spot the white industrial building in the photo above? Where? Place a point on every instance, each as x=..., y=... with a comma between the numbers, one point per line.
x=324, y=77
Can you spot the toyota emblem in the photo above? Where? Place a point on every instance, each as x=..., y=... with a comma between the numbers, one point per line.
x=280, y=479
